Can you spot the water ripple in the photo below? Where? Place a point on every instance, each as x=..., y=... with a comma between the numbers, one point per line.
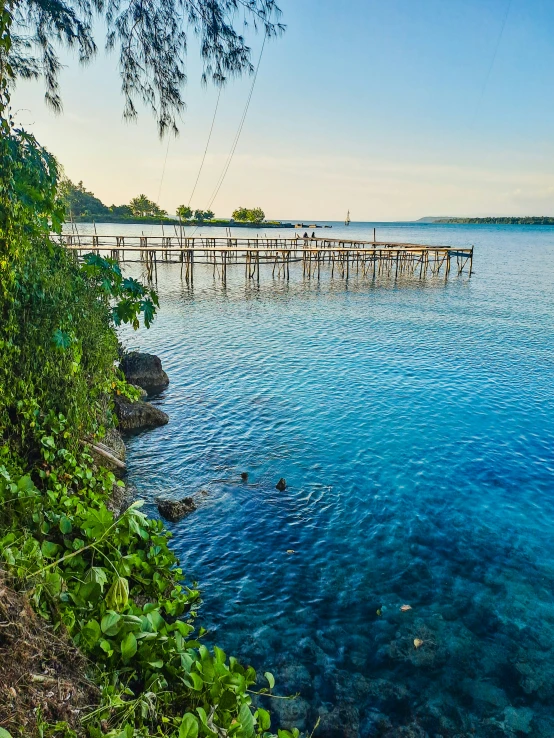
x=415, y=427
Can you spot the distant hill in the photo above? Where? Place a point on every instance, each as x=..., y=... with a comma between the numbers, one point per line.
x=434, y=219
x=512, y=220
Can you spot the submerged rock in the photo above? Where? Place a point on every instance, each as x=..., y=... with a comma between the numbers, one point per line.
x=174, y=510
x=144, y=370
x=281, y=485
x=341, y=722
x=518, y=720
x=487, y=692
x=293, y=678
x=135, y=415
x=291, y=713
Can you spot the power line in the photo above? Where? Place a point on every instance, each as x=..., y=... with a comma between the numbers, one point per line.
x=161, y=180
x=206, y=149
x=509, y=5
x=239, y=131
x=163, y=169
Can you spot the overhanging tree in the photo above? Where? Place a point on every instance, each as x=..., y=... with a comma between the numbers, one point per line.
x=151, y=39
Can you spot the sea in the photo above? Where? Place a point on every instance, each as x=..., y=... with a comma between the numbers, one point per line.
x=402, y=583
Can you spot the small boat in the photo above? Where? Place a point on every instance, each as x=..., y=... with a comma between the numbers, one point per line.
x=347, y=221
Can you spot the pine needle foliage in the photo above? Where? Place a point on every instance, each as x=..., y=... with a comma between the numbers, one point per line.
x=151, y=39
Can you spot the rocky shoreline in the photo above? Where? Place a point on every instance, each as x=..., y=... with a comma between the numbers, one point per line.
x=144, y=372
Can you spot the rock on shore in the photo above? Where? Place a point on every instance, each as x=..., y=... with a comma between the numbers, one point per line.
x=145, y=370
x=174, y=510
x=136, y=415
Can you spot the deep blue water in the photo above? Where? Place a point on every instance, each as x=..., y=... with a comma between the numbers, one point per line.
x=414, y=424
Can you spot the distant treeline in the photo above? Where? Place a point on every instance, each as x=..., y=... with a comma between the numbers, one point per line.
x=82, y=206
x=529, y=220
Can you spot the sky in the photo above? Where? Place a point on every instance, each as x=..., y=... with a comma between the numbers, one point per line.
x=393, y=110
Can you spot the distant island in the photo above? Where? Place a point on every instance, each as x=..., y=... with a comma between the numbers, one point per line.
x=510, y=220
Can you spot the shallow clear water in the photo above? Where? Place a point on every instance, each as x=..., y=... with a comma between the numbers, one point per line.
x=414, y=424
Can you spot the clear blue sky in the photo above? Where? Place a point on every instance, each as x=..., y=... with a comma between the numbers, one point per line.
x=394, y=110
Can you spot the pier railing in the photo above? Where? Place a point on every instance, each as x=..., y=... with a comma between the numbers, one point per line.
x=345, y=258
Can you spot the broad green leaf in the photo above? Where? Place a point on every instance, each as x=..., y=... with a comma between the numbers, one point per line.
x=196, y=680
x=184, y=628
x=128, y=646
x=264, y=719
x=189, y=726
x=53, y=582
x=97, y=574
x=89, y=592
x=204, y=721
x=65, y=525
x=106, y=646
x=111, y=623
x=246, y=720
x=220, y=656
x=270, y=678
x=25, y=484
x=4, y=734
x=49, y=549
x=156, y=620
x=90, y=634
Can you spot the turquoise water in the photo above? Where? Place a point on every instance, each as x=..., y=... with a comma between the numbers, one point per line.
x=414, y=424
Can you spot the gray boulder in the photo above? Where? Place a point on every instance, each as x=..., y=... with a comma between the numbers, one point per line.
x=174, y=510
x=145, y=370
x=136, y=415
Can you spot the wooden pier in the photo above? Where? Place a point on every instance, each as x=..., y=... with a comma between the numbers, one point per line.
x=342, y=258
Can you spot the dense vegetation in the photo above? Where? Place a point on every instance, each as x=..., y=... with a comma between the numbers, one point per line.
x=82, y=205
x=112, y=584
x=184, y=212
x=249, y=215
x=528, y=220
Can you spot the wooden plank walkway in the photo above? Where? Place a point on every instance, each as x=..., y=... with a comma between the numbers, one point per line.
x=344, y=258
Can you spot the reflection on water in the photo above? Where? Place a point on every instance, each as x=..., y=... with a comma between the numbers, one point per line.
x=414, y=424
